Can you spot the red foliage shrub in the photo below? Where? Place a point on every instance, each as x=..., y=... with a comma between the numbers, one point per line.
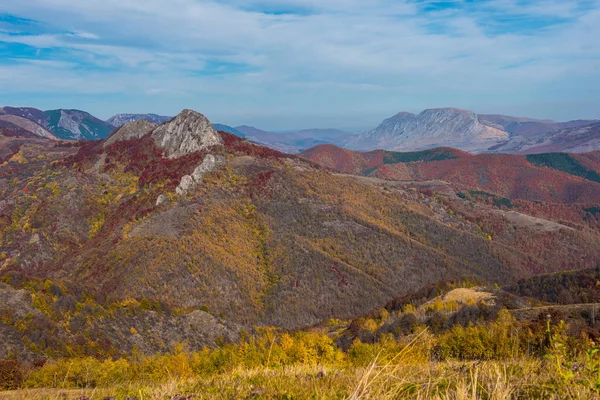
x=235, y=144
x=86, y=153
x=143, y=158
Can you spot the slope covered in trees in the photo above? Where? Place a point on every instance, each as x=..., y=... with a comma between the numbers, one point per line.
x=259, y=238
x=557, y=178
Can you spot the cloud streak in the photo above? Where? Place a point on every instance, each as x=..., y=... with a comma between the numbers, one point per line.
x=291, y=58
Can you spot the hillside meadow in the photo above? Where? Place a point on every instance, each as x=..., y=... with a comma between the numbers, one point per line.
x=494, y=360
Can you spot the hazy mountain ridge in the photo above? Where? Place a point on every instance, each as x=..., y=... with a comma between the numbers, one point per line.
x=467, y=131
x=294, y=141
x=229, y=129
x=431, y=128
x=519, y=126
x=121, y=119
x=576, y=139
x=443, y=127
x=76, y=125
x=64, y=124
x=28, y=126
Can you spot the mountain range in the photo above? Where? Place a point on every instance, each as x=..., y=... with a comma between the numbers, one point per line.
x=64, y=124
x=121, y=119
x=468, y=131
x=442, y=127
x=179, y=232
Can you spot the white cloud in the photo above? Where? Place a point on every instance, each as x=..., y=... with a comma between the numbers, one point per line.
x=353, y=51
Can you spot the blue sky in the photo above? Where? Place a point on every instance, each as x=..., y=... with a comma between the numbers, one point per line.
x=283, y=64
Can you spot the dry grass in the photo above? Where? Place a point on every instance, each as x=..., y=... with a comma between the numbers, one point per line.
x=517, y=379
x=401, y=372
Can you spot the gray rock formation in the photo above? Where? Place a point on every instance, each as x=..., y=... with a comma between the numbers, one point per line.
x=162, y=199
x=431, y=128
x=190, y=182
x=131, y=130
x=209, y=163
x=186, y=184
x=188, y=132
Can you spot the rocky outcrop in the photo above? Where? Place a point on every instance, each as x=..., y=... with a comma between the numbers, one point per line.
x=186, y=184
x=131, y=130
x=441, y=127
x=190, y=182
x=188, y=132
x=162, y=199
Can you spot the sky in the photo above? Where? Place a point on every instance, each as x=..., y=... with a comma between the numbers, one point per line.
x=286, y=64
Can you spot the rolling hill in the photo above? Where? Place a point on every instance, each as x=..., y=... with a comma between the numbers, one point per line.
x=162, y=225
x=556, y=178
x=27, y=125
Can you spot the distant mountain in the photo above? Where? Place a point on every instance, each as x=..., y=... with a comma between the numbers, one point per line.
x=578, y=139
x=76, y=125
x=10, y=130
x=229, y=129
x=29, y=113
x=329, y=134
x=526, y=127
x=431, y=128
x=294, y=141
x=260, y=135
x=27, y=125
x=121, y=119
x=64, y=124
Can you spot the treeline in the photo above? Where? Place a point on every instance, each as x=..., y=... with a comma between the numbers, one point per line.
x=572, y=287
x=270, y=348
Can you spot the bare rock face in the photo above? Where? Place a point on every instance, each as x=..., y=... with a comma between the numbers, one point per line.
x=441, y=127
x=186, y=184
x=188, y=132
x=209, y=164
x=190, y=182
x=162, y=199
x=131, y=130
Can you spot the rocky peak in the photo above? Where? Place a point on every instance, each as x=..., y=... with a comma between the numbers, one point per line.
x=188, y=132
x=451, y=127
x=131, y=130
